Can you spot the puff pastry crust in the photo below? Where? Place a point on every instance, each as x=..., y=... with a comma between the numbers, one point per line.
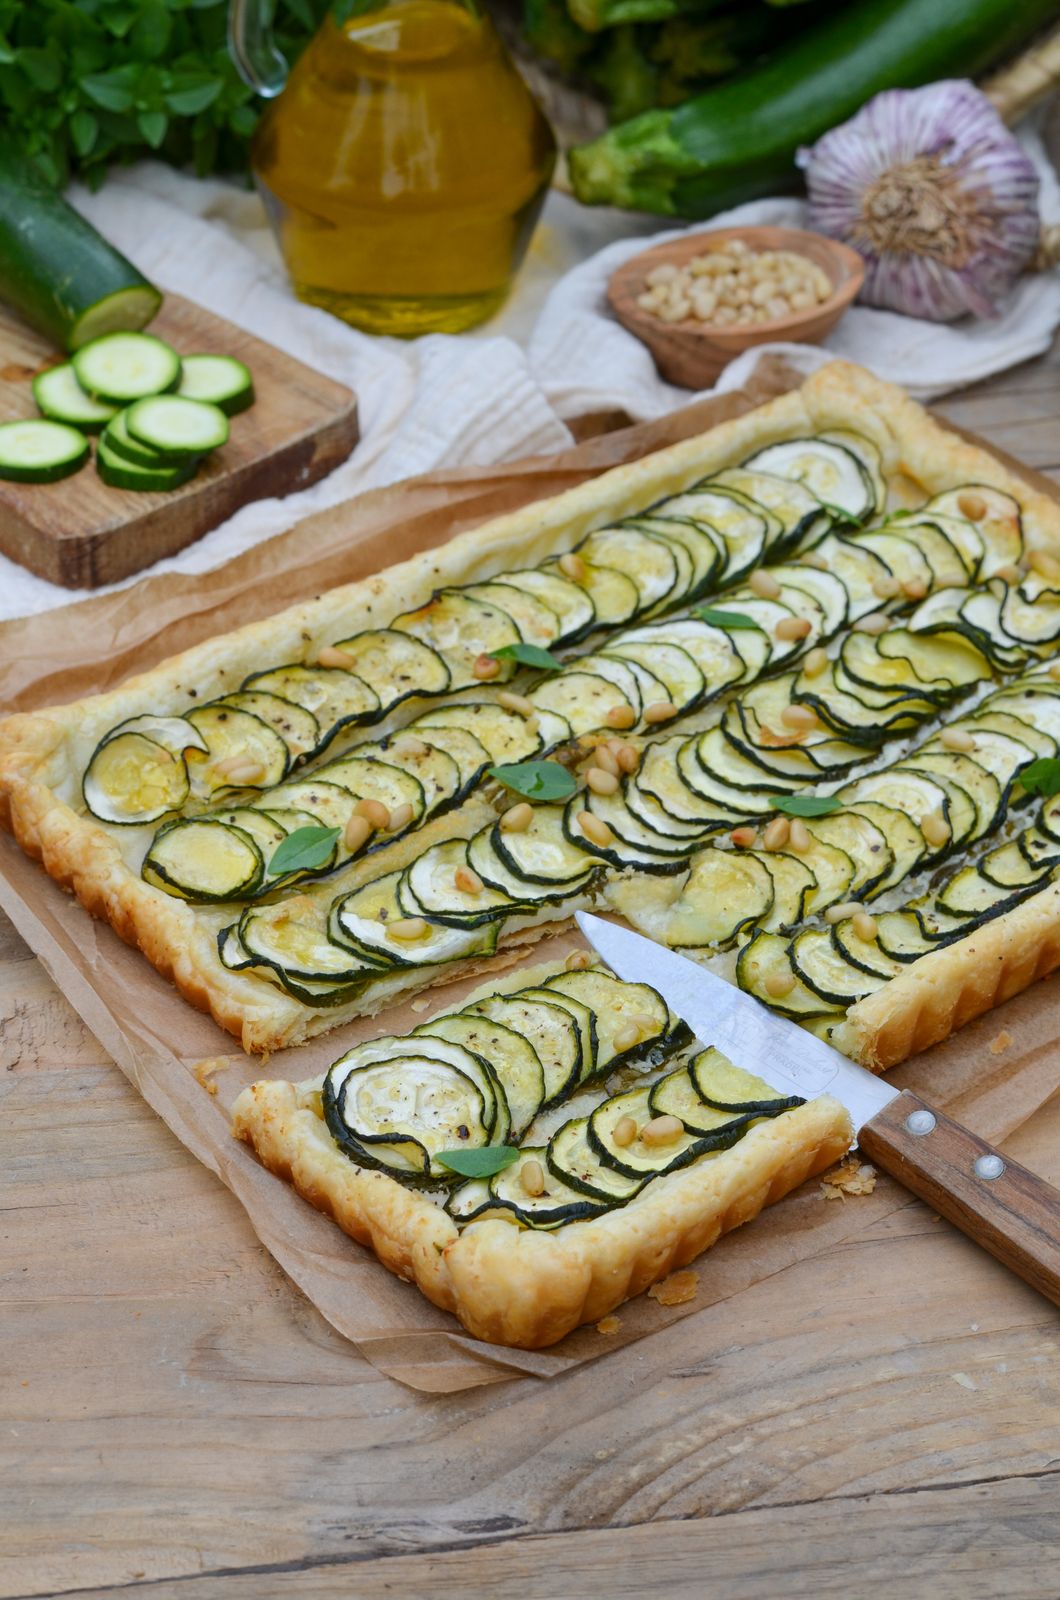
x=43, y=754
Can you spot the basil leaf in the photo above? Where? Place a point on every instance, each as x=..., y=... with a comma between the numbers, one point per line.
x=726, y=619
x=303, y=850
x=1041, y=776
x=807, y=805
x=480, y=1163
x=537, y=780
x=528, y=655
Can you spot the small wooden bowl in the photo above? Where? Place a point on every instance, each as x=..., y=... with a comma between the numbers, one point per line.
x=692, y=353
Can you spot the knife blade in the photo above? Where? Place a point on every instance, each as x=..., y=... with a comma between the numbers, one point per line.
x=1009, y=1211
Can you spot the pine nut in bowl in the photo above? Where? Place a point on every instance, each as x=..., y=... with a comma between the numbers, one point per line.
x=700, y=301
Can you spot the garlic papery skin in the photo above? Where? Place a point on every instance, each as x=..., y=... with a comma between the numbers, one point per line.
x=935, y=193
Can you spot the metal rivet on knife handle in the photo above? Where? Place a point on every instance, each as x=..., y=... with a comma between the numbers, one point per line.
x=989, y=1167
x=921, y=1122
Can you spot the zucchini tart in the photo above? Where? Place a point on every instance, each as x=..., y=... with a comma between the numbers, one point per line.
x=541, y=1153
x=771, y=694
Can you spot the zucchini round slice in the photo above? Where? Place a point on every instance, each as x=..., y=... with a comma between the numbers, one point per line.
x=730, y=1088
x=830, y=471
x=650, y=562
x=1000, y=530
x=333, y=696
x=243, y=752
x=541, y=853
x=764, y=969
x=121, y=367
x=640, y=1160
x=822, y=967
x=862, y=840
x=548, y=1027
x=201, y=859
x=726, y=892
x=467, y=754
x=434, y=771
x=121, y=444
x=615, y=1005
x=290, y=937
x=221, y=380
x=584, y=1020
x=614, y=597
x=460, y=629
x=865, y=954
x=449, y=1052
x=677, y=1095
x=428, y=888
x=572, y=1160
x=571, y=604
x=633, y=843
x=746, y=529
x=361, y=921
x=268, y=832
x=512, y=1059
x=61, y=398
x=132, y=780
x=395, y=665
x=297, y=727
x=369, y=779
x=399, y=1114
x=557, y=1205
x=119, y=472
x=795, y=507
x=36, y=451
x=483, y=859
x=175, y=734
x=660, y=777
x=634, y=684
x=180, y=430
x=672, y=665
x=503, y=734
x=329, y=805
x=794, y=885
x=867, y=453
x=535, y=619
x=700, y=553
x=583, y=698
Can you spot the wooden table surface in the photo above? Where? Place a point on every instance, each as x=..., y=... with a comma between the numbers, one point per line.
x=176, y=1418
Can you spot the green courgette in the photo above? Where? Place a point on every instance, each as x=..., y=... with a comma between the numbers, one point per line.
x=739, y=140
x=57, y=271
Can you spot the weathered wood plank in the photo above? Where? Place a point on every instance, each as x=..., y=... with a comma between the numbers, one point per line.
x=192, y=1413
x=970, y=1543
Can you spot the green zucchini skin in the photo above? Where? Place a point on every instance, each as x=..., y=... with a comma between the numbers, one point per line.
x=739, y=140
x=57, y=271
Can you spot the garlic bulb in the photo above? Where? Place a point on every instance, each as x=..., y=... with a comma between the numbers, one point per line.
x=936, y=194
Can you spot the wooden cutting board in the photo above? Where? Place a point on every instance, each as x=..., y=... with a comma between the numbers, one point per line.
x=81, y=534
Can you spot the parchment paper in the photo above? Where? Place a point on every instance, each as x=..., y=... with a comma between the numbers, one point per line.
x=158, y=1040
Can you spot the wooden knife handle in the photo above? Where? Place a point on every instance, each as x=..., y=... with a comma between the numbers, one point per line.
x=992, y=1199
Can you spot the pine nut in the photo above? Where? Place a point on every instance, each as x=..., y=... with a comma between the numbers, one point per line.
x=516, y=702
x=517, y=818
x=661, y=1131
x=799, y=835
x=813, y=558
x=1054, y=671
x=332, y=656
x=842, y=912
x=886, y=588
x=620, y=717
x=533, y=722
x=763, y=584
x=647, y=1024
x=744, y=838
x=374, y=812
x=792, y=628
x=572, y=566
x=601, y=782
x=595, y=829
x=628, y=758
x=799, y=717
x=532, y=1178
x=408, y=745
x=1009, y=574
x=971, y=505
x=875, y=622
x=624, y=1132
x=956, y=739
x=485, y=667
x=815, y=662
x=935, y=828
x=914, y=589
x=408, y=928
x=605, y=759
x=627, y=1036
x=778, y=984
x=241, y=769
x=468, y=881
x=776, y=833
x=864, y=926
x=400, y=817
x=357, y=832
x=661, y=711
x=578, y=961
x=1044, y=564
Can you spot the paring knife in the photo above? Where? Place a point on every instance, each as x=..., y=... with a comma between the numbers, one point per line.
x=996, y=1202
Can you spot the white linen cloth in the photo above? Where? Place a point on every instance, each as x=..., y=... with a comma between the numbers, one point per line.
x=442, y=401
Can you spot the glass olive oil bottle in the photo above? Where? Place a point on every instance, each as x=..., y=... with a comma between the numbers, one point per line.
x=403, y=165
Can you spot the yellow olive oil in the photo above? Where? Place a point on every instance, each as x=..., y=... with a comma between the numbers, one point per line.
x=403, y=167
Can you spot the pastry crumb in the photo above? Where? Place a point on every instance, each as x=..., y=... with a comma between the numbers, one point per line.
x=1001, y=1043
x=963, y=1379
x=204, y=1070
x=419, y=1005
x=677, y=1289
x=852, y=1176
x=609, y=1324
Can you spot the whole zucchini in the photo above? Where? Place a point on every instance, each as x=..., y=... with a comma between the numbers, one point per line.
x=738, y=141
x=57, y=271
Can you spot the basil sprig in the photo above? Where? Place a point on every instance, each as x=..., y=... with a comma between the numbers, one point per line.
x=537, y=780
x=303, y=850
x=528, y=655
x=726, y=619
x=480, y=1163
x=805, y=805
x=1041, y=776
